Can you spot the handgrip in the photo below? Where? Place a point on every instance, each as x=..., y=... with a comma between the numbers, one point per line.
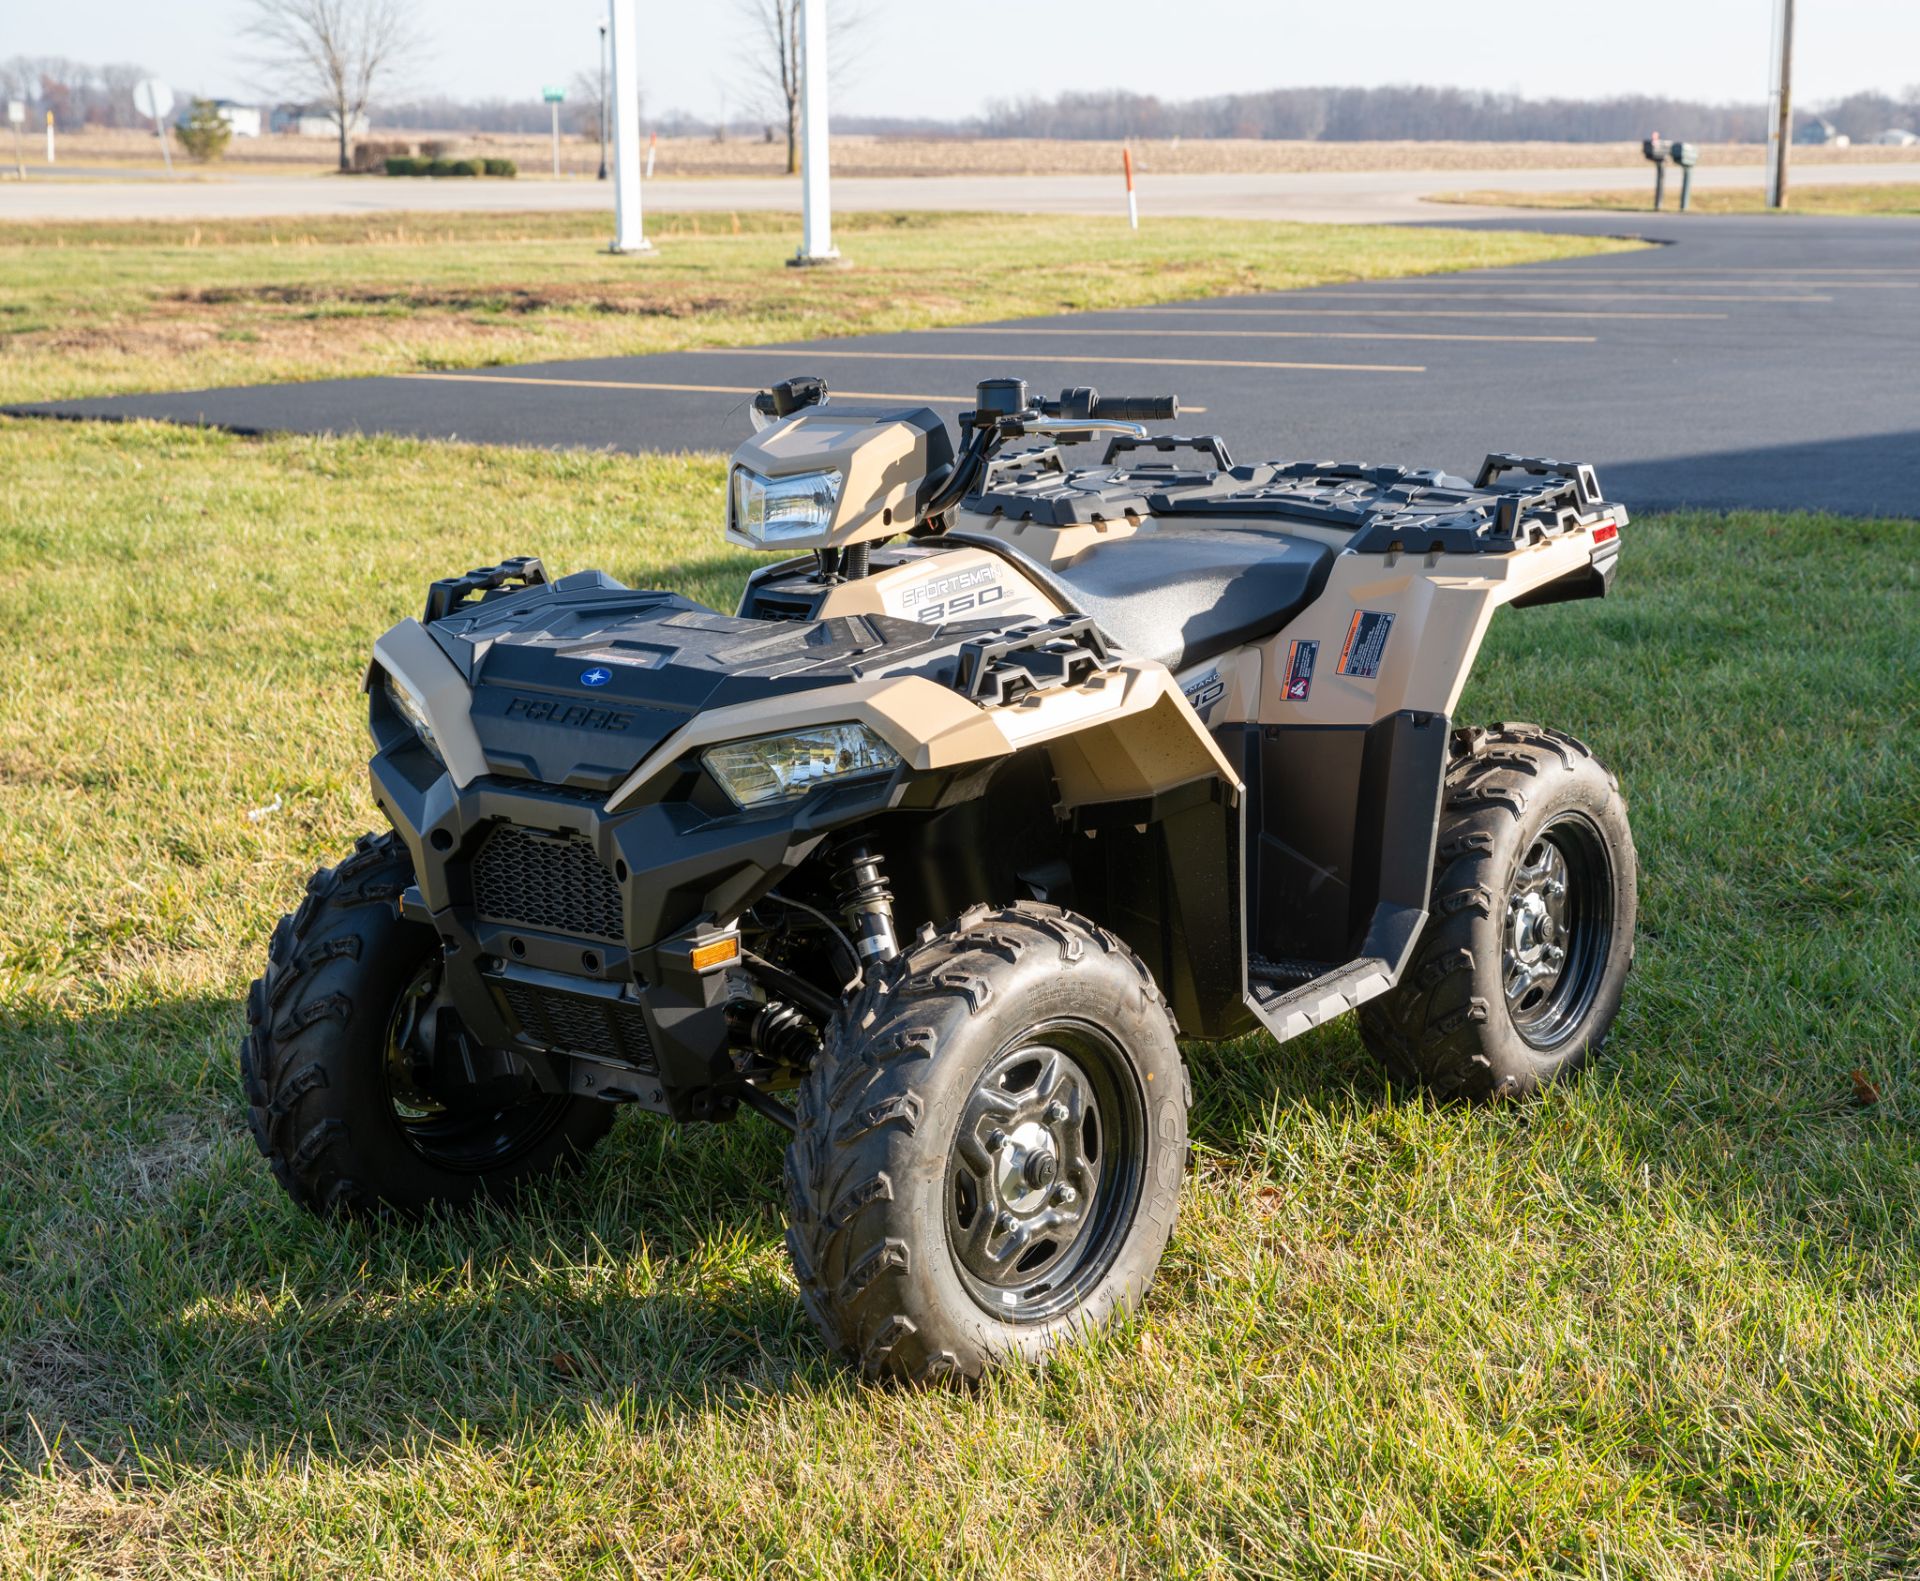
x=1137, y=408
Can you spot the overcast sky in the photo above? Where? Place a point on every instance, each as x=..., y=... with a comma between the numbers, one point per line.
x=941, y=58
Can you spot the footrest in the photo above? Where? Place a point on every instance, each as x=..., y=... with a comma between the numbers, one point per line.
x=1287, y=1012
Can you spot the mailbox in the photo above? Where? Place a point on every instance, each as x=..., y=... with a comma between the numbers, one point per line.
x=1686, y=156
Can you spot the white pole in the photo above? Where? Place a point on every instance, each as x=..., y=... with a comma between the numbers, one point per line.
x=816, y=205
x=1775, y=60
x=629, y=235
x=554, y=105
x=49, y=137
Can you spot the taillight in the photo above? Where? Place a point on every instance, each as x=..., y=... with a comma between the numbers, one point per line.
x=1606, y=531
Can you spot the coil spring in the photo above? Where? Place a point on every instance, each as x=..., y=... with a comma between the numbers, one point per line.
x=866, y=900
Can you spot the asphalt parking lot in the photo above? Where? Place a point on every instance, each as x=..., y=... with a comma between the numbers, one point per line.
x=1769, y=362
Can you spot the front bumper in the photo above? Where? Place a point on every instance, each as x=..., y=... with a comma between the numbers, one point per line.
x=569, y=932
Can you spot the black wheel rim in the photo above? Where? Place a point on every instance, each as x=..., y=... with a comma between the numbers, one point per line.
x=1558, y=930
x=464, y=1138
x=1045, y=1173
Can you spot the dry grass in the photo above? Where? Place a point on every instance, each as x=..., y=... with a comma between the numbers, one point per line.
x=105, y=308
x=1892, y=197
x=957, y=156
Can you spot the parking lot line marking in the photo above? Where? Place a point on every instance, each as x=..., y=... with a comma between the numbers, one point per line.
x=1441, y=291
x=680, y=389
x=1416, y=312
x=1284, y=334
x=1121, y=362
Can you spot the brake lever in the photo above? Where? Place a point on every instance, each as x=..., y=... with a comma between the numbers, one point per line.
x=1084, y=427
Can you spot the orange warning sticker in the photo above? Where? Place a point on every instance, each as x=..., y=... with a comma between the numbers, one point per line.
x=1366, y=644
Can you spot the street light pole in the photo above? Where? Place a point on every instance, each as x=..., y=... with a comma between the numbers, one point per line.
x=603, y=102
x=1780, y=129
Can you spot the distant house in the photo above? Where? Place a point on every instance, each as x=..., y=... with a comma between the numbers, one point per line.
x=1897, y=137
x=1818, y=130
x=243, y=120
x=306, y=120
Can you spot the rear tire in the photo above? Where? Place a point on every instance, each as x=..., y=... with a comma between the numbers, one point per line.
x=1518, y=975
x=321, y=1099
x=990, y=1147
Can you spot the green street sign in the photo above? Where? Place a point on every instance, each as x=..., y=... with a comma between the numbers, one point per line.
x=554, y=95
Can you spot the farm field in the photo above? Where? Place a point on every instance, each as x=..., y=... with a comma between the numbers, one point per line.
x=857, y=155
x=1664, y=1323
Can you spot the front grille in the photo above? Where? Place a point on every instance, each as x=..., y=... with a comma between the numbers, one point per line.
x=553, y=882
x=612, y=1029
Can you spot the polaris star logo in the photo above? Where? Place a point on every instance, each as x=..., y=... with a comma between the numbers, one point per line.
x=595, y=677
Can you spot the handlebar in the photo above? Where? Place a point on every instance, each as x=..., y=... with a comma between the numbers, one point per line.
x=1136, y=408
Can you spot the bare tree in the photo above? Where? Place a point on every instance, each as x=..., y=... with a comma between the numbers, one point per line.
x=331, y=53
x=775, y=67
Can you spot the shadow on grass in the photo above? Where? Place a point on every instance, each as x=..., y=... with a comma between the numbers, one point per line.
x=166, y=1303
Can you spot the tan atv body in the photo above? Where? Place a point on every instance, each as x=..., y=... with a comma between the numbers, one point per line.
x=1007, y=771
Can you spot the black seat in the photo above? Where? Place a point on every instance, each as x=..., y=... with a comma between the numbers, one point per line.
x=1184, y=594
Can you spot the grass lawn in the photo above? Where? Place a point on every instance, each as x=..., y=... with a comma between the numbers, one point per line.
x=1664, y=1323
x=100, y=309
x=1892, y=197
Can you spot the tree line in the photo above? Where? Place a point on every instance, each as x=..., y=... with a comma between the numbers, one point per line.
x=82, y=94
x=1420, y=114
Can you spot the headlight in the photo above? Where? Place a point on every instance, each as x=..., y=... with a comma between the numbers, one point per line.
x=779, y=768
x=776, y=510
x=412, y=712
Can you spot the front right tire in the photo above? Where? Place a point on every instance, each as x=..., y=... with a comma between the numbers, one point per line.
x=331, y=1097
x=990, y=1147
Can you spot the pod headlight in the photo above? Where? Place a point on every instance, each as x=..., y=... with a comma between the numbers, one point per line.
x=769, y=769
x=778, y=510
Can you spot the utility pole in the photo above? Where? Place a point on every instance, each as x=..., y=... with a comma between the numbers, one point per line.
x=603, y=103
x=816, y=204
x=1780, y=123
x=629, y=235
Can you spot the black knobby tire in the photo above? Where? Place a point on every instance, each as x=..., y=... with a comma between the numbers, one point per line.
x=1525, y=808
x=314, y=1062
x=1007, y=1008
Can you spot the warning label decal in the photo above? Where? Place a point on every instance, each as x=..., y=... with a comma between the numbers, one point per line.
x=1366, y=642
x=1300, y=657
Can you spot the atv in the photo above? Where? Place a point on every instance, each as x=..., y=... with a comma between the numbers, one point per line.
x=1007, y=774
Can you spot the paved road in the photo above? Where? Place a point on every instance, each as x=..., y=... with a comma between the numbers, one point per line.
x=1755, y=362
x=1349, y=196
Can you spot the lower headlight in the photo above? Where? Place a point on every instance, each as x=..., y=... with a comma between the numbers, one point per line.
x=779, y=768
x=412, y=712
x=777, y=510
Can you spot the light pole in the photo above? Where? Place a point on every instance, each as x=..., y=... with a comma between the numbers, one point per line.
x=603, y=100
x=1780, y=123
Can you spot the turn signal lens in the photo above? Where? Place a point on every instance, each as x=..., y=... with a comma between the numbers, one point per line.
x=718, y=953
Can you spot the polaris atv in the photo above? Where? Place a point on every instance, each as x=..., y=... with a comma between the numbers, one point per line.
x=1006, y=775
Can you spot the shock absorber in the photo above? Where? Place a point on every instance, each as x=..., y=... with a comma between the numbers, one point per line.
x=866, y=900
